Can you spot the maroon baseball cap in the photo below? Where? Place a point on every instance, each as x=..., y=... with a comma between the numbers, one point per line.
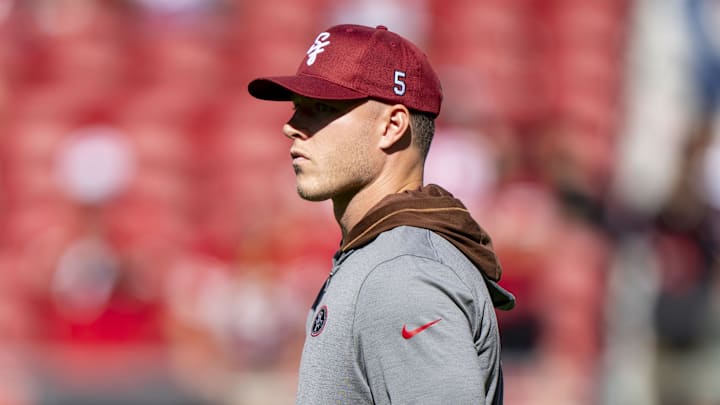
x=350, y=62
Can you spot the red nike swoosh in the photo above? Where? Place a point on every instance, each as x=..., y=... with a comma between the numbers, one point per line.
x=407, y=334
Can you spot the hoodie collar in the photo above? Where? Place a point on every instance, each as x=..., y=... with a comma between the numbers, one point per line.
x=433, y=208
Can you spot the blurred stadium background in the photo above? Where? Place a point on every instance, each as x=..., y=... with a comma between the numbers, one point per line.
x=153, y=249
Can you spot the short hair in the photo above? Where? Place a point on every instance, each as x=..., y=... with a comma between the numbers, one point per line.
x=422, y=126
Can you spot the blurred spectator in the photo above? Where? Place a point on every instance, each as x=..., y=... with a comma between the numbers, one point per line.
x=685, y=312
x=665, y=276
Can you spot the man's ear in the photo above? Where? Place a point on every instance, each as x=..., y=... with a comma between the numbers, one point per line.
x=397, y=134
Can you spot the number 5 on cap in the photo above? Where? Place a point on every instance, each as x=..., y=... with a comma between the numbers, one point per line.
x=399, y=87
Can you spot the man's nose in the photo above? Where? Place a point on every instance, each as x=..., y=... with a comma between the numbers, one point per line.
x=293, y=133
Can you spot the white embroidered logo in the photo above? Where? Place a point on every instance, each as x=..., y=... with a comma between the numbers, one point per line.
x=316, y=48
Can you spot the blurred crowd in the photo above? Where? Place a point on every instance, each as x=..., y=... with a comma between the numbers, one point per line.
x=154, y=250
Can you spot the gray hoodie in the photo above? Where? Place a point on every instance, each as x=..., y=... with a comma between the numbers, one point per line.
x=407, y=314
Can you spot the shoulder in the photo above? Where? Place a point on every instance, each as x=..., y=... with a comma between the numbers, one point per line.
x=408, y=251
x=413, y=267
x=416, y=267
x=404, y=240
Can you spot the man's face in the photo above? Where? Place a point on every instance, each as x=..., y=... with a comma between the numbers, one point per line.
x=334, y=146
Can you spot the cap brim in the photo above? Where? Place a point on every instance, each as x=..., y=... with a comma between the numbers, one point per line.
x=282, y=88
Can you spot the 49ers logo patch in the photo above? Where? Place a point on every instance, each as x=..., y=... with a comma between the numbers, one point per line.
x=319, y=322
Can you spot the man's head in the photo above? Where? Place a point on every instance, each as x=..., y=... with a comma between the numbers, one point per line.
x=361, y=94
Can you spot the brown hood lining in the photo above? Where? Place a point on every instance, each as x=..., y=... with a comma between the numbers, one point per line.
x=433, y=208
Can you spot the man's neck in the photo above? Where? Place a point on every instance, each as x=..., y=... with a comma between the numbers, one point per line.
x=350, y=210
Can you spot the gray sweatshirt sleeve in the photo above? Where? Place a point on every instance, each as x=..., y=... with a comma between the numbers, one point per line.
x=424, y=336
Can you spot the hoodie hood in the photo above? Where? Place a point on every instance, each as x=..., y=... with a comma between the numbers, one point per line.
x=433, y=208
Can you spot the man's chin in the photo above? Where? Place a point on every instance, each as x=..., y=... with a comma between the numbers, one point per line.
x=310, y=196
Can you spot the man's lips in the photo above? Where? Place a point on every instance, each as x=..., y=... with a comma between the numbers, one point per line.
x=298, y=156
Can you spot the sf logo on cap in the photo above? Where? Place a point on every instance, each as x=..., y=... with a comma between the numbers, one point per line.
x=316, y=48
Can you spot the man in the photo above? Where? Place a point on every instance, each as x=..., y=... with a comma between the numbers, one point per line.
x=406, y=315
